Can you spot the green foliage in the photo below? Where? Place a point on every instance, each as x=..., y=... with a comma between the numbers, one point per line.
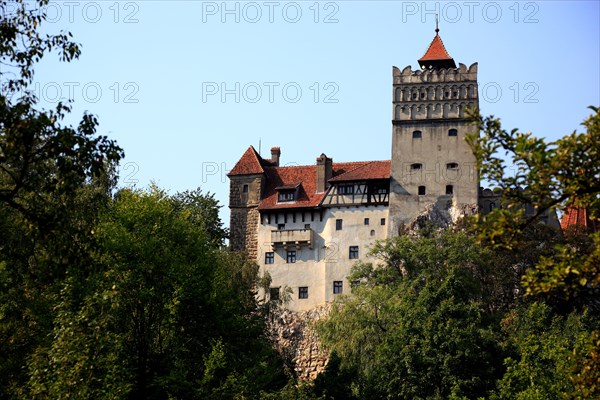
x=203, y=210
x=167, y=315
x=548, y=176
x=545, y=348
x=415, y=326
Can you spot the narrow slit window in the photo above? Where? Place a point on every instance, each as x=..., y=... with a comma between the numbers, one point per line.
x=422, y=191
x=449, y=189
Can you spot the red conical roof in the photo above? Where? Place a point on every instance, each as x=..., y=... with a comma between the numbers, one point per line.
x=249, y=164
x=436, y=55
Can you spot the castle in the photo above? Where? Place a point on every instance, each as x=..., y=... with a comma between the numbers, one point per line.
x=307, y=225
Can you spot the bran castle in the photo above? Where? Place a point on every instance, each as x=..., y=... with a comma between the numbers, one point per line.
x=307, y=225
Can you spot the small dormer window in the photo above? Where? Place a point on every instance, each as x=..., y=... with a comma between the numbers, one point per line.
x=287, y=193
x=286, y=196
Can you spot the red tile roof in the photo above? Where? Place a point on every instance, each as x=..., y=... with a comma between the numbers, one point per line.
x=578, y=217
x=278, y=177
x=250, y=163
x=436, y=51
x=368, y=171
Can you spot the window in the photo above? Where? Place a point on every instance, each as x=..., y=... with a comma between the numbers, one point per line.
x=291, y=256
x=449, y=189
x=303, y=292
x=338, y=287
x=452, y=132
x=286, y=196
x=353, y=253
x=452, y=165
x=421, y=190
x=346, y=189
x=414, y=95
x=382, y=221
x=422, y=95
x=269, y=257
x=373, y=231
x=245, y=189
x=281, y=226
x=366, y=221
x=416, y=134
x=274, y=293
x=416, y=166
x=338, y=224
x=355, y=283
x=306, y=226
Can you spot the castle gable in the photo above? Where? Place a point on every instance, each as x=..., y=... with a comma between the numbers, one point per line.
x=251, y=163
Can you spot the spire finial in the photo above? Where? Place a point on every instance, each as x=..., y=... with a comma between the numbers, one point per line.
x=436, y=24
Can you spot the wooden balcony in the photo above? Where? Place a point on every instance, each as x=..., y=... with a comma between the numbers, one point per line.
x=292, y=237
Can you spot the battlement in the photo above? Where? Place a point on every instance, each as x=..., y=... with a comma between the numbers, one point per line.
x=444, y=75
x=434, y=94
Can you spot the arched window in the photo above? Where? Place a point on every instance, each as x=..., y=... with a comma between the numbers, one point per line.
x=417, y=134
x=452, y=132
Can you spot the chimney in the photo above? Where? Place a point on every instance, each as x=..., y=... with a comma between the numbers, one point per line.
x=324, y=172
x=275, y=153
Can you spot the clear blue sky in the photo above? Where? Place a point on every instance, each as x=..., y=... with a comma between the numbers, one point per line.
x=154, y=73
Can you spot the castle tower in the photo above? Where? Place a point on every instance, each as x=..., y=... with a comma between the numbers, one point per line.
x=246, y=182
x=433, y=173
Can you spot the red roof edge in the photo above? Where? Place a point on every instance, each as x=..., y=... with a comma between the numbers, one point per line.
x=436, y=50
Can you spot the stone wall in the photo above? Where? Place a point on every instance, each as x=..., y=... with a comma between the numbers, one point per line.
x=245, y=217
x=296, y=338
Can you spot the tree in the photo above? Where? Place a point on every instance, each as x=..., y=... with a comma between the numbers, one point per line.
x=556, y=175
x=54, y=179
x=167, y=315
x=415, y=327
x=544, y=352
